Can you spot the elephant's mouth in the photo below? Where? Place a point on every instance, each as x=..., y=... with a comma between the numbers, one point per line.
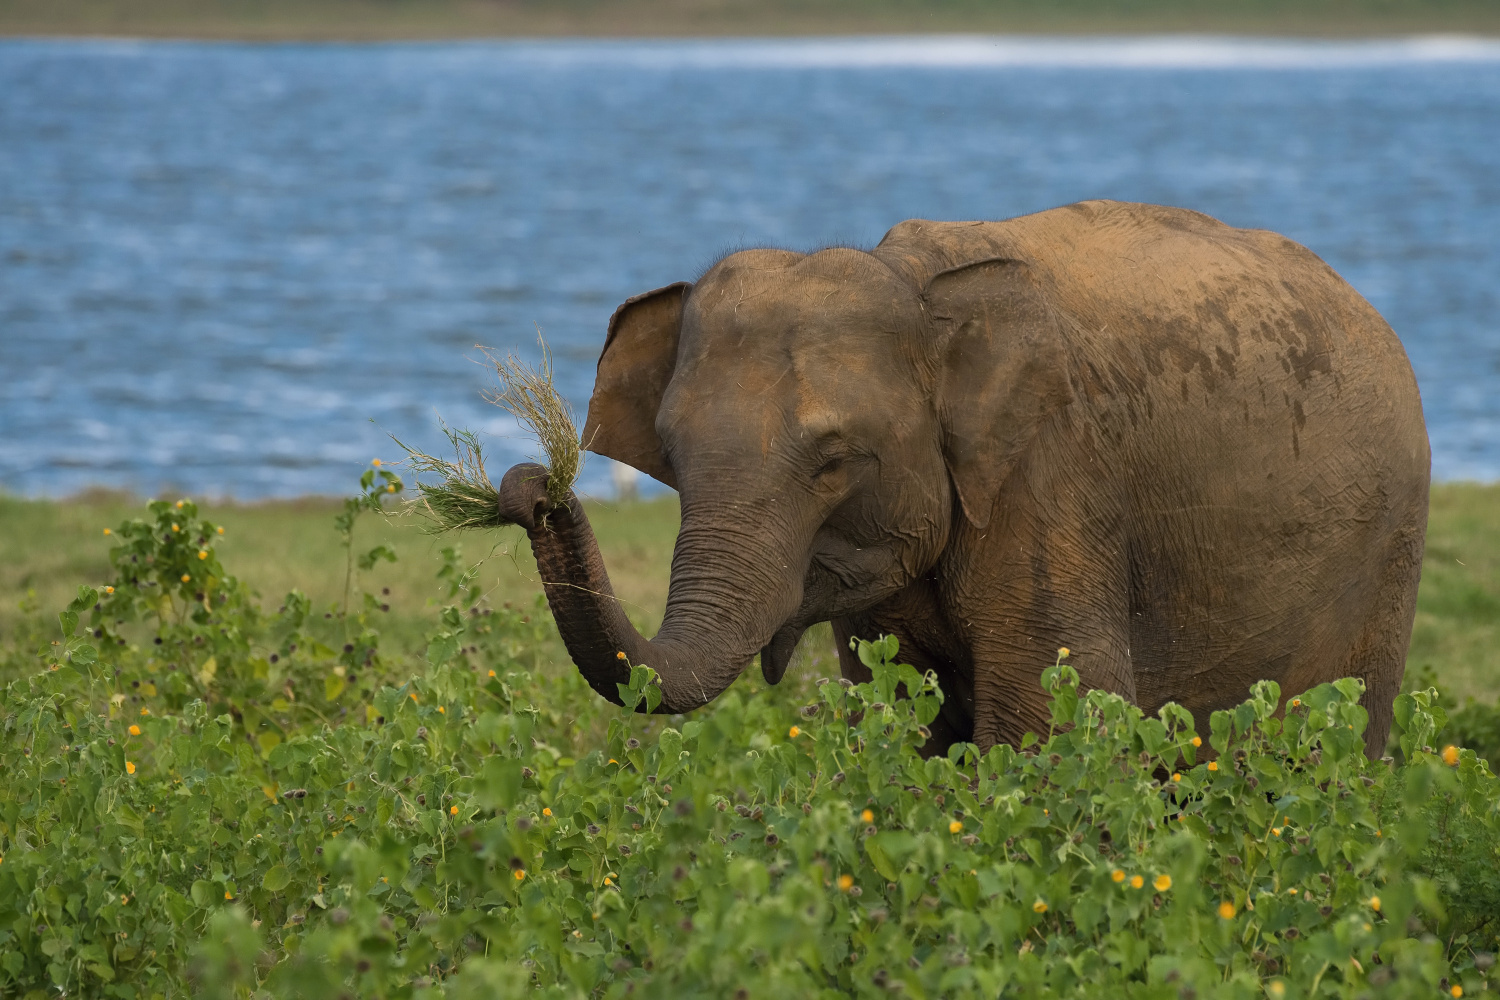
x=777, y=654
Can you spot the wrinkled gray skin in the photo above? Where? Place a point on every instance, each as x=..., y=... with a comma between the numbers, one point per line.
x=1190, y=453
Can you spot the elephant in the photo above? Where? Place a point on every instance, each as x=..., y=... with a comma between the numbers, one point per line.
x=1190, y=453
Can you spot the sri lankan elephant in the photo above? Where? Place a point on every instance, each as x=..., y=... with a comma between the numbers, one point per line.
x=1191, y=453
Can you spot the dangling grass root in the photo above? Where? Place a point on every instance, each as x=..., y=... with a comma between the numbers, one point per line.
x=463, y=495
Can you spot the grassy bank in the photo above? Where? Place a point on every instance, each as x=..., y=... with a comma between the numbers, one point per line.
x=425, y=19
x=47, y=548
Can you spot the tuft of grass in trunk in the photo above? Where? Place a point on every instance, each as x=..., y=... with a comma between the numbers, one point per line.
x=463, y=495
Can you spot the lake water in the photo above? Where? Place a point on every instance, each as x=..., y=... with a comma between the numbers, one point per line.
x=233, y=269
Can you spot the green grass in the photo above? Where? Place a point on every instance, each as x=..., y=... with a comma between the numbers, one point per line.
x=394, y=19
x=50, y=547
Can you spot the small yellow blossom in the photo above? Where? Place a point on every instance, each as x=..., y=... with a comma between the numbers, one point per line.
x=1063, y=651
x=1163, y=883
x=453, y=810
x=1039, y=907
x=794, y=732
x=124, y=900
x=221, y=529
x=176, y=527
x=1456, y=990
x=228, y=895
x=202, y=553
x=1136, y=881
x=1292, y=891
x=1450, y=755
x=391, y=488
x=375, y=462
x=179, y=505
x=546, y=811
x=129, y=767
x=109, y=590
x=135, y=730
x=1277, y=989
x=1276, y=831
x=492, y=673
x=1377, y=833
x=608, y=880
x=442, y=710
x=1197, y=741
x=186, y=577
x=520, y=874
x=1176, y=776
x=613, y=761
x=620, y=655
x=846, y=882
x=1296, y=702
x=1213, y=765
x=1117, y=875
x=145, y=711
x=867, y=816
x=956, y=826
x=108, y=532
x=412, y=695
x=1375, y=903
x=1226, y=910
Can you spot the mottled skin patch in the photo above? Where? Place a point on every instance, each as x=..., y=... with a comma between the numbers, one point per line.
x=1190, y=453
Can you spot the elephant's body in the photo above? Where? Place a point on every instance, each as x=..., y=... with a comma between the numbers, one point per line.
x=1192, y=454
x=1237, y=489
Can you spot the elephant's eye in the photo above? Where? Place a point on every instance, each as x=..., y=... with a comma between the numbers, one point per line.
x=830, y=466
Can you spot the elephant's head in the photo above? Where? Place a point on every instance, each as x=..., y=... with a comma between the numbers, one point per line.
x=821, y=418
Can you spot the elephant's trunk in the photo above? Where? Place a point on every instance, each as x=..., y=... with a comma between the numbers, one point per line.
x=711, y=629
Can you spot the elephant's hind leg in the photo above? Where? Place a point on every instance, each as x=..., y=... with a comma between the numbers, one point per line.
x=1378, y=656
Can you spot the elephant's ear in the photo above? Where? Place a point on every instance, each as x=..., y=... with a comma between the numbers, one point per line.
x=1001, y=369
x=634, y=369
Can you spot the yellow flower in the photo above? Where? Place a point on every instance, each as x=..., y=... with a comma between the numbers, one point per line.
x=124, y=900
x=608, y=880
x=221, y=529
x=145, y=711
x=186, y=578
x=613, y=761
x=375, y=462
x=794, y=732
x=1039, y=907
x=867, y=816
x=1456, y=990
x=412, y=695
x=1063, y=651
x=956, y=826
x=1226, y=910
x=176, y=528
x=1292, y=891
x=846, y=882
x=1450, y=755
x=453, y=810
x=202, y=553
x=1163, y=883
x=1277, y=989
x=109, y=590
x=129, y=767
x=228, y=895
x=1136, y=881
x=391, y=488
x=1296, y=702
x=108, y=532
x=135, y=730
x=492, y=673
x=1377, y=833
x=1276, y=831
x=179, y=507
x=521, y=873
x=546, y=811
x=620, y=655
x=1176, y=777
x=1213, y=765
x=442, y=710
x=1197, y=741
x=1375, y=903
x=1117, y=875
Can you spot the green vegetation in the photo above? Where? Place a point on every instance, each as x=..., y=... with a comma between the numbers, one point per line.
x=210, y=794
x=392, y=19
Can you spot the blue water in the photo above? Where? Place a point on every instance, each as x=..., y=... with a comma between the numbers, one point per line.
x=232, y=269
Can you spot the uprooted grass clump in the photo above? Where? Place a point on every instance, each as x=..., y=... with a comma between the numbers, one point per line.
x=463, y=495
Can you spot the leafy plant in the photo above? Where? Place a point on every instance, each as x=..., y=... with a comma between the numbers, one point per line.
x=467, y=822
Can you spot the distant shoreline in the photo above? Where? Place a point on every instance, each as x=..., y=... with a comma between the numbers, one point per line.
x=436, y=20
